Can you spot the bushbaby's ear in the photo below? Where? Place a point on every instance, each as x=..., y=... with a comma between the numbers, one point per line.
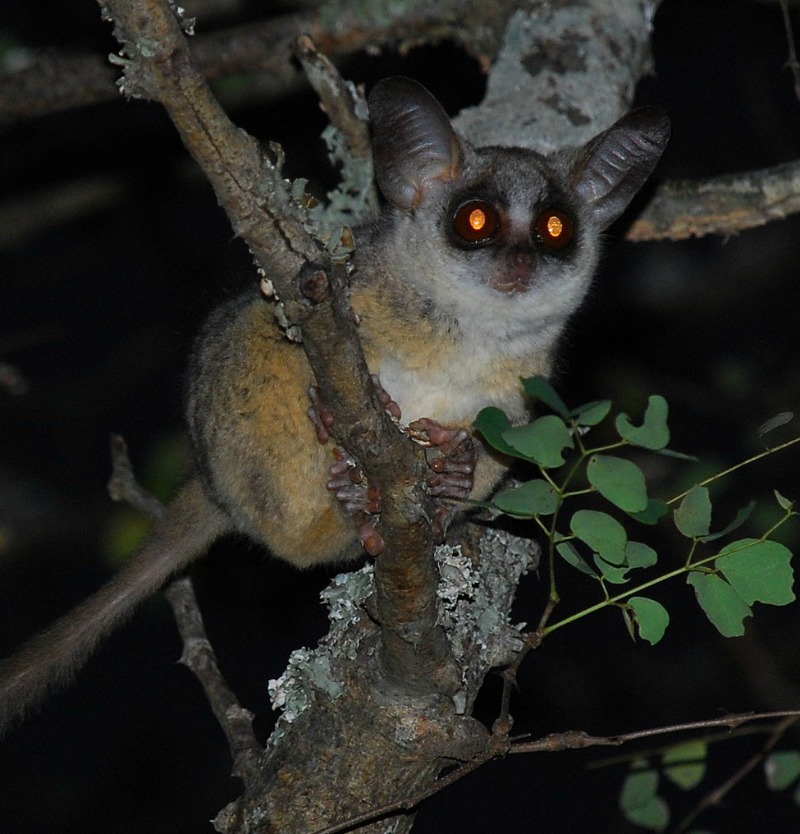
x=615, y=164
x=413, y=142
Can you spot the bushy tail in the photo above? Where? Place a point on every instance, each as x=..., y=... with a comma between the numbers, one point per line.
x=53, y=657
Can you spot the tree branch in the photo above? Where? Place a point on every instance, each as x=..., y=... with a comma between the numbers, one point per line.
x=499, y=745
x=720, y=205
x=413, y=656
x=235, y=721
x=574, y=740
x=53, y=81
x=716, y=796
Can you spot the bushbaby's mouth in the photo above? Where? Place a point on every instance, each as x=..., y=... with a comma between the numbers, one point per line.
x=515, y=272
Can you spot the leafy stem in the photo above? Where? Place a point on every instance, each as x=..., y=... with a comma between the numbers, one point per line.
x=690, y=566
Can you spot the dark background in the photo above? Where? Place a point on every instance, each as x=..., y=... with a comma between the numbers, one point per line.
x=97, y=312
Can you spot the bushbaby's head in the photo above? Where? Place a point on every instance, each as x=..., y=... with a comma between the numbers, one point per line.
x=503, y=235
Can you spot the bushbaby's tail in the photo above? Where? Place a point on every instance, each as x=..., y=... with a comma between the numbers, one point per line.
x=53, y=657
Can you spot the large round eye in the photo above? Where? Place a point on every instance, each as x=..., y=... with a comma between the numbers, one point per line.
x=476, y=221
x=553, y=228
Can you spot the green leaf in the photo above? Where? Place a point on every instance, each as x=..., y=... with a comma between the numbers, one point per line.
x=654, y=432
x=637, y=555
x=572, y=557
x=538, y=388
x=651, y=618
x=759, y=571
x=615, y=574
x=604, y=534
x=592, y=413
x=640, y=555
x=541, y=441
x=783, y=502
x=737, y=522
x=781, y=769
x=527, y=500
x=639, y=802
x=720, y=602
x=693, y=515
x=675, y=455
x=491, y=422
x=655, y=511
x=619, y=481
x=685, y=764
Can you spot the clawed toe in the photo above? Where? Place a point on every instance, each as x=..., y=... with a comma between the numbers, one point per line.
x=320, y=415
x=385, y=399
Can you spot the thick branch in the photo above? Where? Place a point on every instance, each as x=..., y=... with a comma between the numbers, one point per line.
x=566, y=71
x=721, y=205
x=261, y=209
x=54, y=81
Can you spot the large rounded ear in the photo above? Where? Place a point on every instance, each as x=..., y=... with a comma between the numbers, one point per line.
x=413, y=142
x=615, y=164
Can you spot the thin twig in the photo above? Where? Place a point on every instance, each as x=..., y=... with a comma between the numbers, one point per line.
x=198, y=655
x=719, y=793
x=336, y=97
x=576, y=739
x=791, y=62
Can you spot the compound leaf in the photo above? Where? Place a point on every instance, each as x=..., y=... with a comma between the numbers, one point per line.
x=782, y=768
x=693, y=515
x=492, y=422
x=572, y=557
x=640, y=555
x=720, y=602
x=656, y=509
x=538, y=388
x=759, y=571
x=592, y=413
x=619, y=481
x=527, y=500
x=685, y=763
x=640, y=803
x=654, y=432
x=541, y=441
x=651, y=618
x=604, y=534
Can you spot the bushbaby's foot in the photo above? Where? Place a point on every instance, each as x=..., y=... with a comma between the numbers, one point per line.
x=451, y=456
x=359, y=500
x=347, y=482
x=385, y=399
x=320, y=415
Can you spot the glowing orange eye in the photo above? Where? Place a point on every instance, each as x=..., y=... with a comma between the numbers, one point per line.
x=554, y=229
x=476, y=221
